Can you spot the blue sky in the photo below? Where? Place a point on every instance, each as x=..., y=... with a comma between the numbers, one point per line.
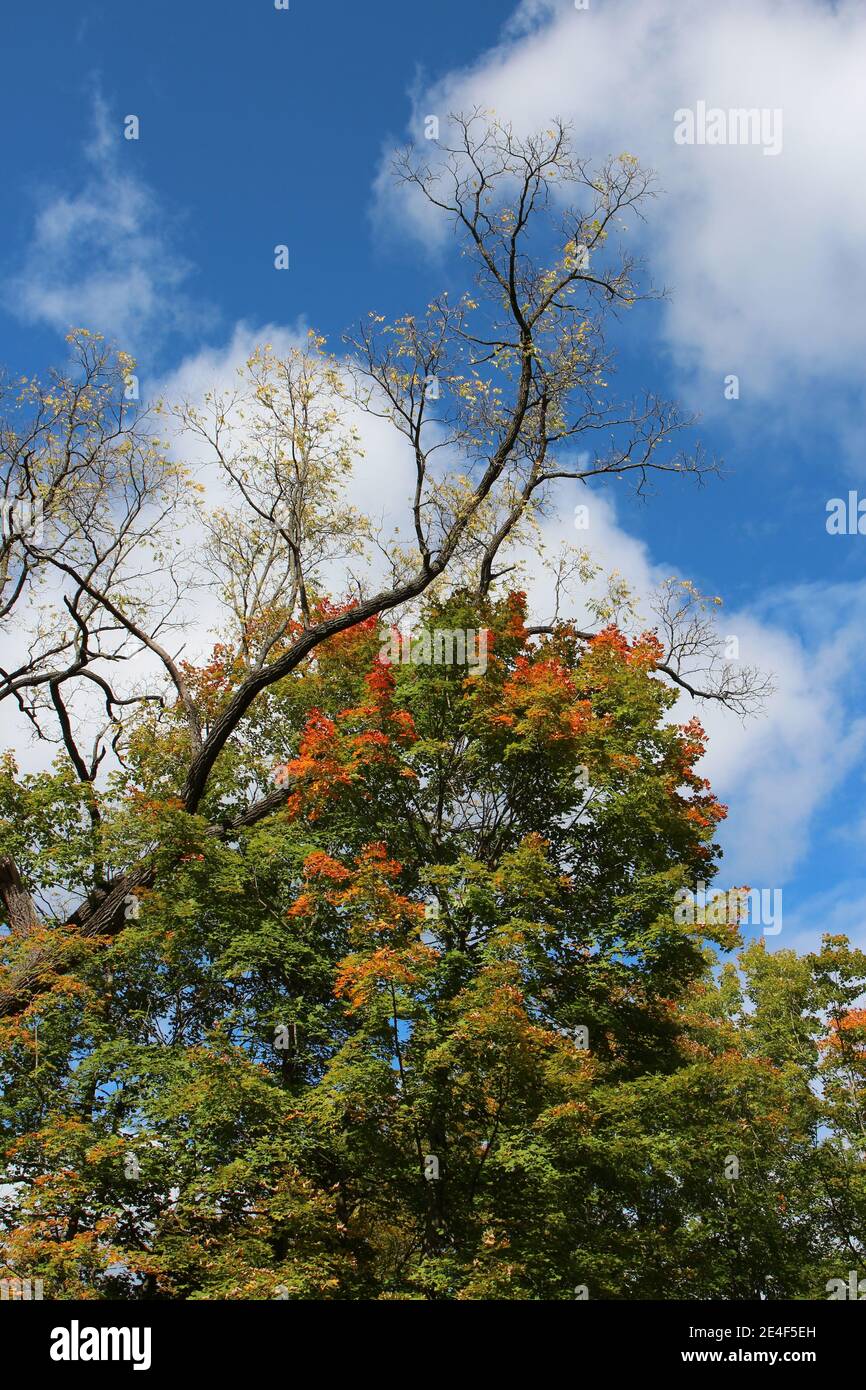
x=260, y=127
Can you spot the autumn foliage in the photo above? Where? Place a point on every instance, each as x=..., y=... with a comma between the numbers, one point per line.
x=431, y=1030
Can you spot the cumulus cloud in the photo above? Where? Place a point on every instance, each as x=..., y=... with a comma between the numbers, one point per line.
x=762, y=254
x=779, y=771
x=100, y=255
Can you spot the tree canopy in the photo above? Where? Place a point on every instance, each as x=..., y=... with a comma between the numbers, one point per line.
x=340, y=961
x=430, y=1030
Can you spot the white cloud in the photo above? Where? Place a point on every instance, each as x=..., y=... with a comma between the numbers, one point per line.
x=100, y=257
x=763, y=255
x=778, y=771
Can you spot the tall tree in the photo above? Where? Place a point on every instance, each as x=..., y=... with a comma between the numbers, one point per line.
x=433, y=1029
x=512, y=379
x=328, y=977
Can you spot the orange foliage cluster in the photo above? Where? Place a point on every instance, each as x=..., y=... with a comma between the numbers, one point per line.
x=644, y=653
x=361, y=977
x=540, y=697
x=840, y=1031
x=365, y=891
x=209, y=684
x=333, y=753
x=321, y=865
x=153, y=808
x=516, y=604
x=343, y=648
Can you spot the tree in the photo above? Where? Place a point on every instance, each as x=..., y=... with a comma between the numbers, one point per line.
x=198, y=869
x=521, y=374
x=432, y=1030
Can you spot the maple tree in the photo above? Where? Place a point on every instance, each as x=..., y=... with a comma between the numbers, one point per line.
x=431, y=1030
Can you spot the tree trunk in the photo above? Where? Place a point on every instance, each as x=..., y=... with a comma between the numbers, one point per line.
x=21, y=912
